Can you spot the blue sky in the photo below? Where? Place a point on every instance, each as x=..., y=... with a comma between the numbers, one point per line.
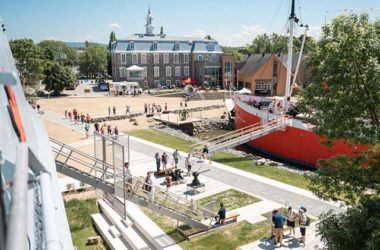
x=232, y=22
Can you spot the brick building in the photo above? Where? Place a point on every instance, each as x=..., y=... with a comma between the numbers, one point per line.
x=163, y=60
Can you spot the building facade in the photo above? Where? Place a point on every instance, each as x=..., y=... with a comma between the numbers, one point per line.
x=265, y=74
x=166, y=60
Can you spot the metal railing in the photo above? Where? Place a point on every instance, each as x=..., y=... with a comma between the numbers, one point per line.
x=134, y=187
x=275, y=123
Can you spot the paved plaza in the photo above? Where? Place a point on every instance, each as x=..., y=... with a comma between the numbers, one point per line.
x=217, y=178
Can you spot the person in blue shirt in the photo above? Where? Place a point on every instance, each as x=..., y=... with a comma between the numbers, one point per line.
x=221, y=215
x=278, y=221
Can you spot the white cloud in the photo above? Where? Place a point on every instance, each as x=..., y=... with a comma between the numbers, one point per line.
x=91, y=38
x=315, y=31
x=197, y=33
x=244, y=36
x=114, y=26
x=51, y=38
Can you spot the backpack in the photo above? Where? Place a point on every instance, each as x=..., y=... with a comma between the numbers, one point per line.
x=307, y=221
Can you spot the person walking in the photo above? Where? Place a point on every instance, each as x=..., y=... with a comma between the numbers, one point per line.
x=103, y=129
x=221, y=217
x=291, y=216
x=70, y=116
x=87, y=129
x=82, y=118
x=204, y=152
x=148, y=187
x=145, y=109
x=128, y=177
x=88, y=118
x=96, y=126
x=109, y=130
x=164, y=159
x=127, y=110
x=65, y=114
x=158, y=161
x=176, y=157
x=109, y=111
x=188, y=164
x=116, y=133
x=114, y=110
x=278, y=223
x=166, y=106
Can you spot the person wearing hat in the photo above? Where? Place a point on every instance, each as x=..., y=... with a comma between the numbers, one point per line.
x=278, y=223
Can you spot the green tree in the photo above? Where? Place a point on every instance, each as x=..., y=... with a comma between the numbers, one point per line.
x=208, y=37
x=93, y=60
x=30, y=64
x=57, y=50
x=344, y=102
x=58, y=77
x=109, y=54
x=261, y=44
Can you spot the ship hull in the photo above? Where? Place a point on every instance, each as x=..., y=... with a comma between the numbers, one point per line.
x=297, y=143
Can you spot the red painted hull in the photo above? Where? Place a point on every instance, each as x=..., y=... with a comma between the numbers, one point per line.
x=296, y=145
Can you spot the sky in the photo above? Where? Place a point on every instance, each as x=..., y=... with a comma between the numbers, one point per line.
x=230, y=22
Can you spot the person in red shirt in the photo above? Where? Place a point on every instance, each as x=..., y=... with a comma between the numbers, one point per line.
x=88, y=118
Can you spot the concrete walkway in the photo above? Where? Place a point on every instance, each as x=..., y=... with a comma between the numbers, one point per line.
x=272, y=192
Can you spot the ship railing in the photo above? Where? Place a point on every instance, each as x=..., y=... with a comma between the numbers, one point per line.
x=257, y=127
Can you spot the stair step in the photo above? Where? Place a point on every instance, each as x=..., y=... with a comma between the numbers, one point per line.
x=129, y=234
x=102, y=225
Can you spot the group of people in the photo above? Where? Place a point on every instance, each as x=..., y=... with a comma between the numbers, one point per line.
x=154, y=108
x=176, y=157
x=77, y=117
x=113, y=110
x=278, y=222
x=106, y=130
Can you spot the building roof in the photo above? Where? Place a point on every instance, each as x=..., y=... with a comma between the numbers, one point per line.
x=144, y=43
x=251, y=64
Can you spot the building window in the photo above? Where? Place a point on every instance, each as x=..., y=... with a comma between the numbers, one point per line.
x=263, y=87
x=186, y=58
x=176, y=46
x=132, y=45
x=135, y=59
x=178, y=83
x=227, y=67
x=156, y=58
x=166, y=58
x=186, y=71
x=168, y=82
x=168, y=71
x=200, y=58
x=154, y=46
x=122, y=71
x=157, y=83
x=123, y=58
x=210, y=47
x=145, y=72
x=156, y=71
x=176, y=58
x=143, y=58
x=177, y=71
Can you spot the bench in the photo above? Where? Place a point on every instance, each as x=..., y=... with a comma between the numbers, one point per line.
x=231, y=216
x=164, y=172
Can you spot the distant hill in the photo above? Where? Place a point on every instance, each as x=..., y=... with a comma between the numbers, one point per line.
x=81, y=45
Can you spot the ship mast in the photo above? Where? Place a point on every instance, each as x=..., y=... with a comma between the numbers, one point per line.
x=292, y=20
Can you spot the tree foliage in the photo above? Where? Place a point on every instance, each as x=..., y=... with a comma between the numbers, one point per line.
x=30, y=63
x=234, y=51
x=93, y=60
x=345, y=98
x=109, y=53
x=58, y=77
x=344, y=102
x=57, y=50
x=208, y=37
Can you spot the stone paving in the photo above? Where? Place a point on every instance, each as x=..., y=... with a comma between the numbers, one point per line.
x=273, y=193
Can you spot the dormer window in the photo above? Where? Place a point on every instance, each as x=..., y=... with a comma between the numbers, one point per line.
x=155, y=46
x=176, y=46
x=132, y=45
x=210, y=47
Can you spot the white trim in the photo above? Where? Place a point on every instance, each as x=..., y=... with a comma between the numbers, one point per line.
x=135, y=58
x=121, y=58
x=143, y=56
x=168, y=71
x=156, y=71
x=166, y=58
x=177, y=69
x=174, y=56
x=158, y=58
x=145, y=71
x=169, y=52
x=186, y=71
x=186, y=56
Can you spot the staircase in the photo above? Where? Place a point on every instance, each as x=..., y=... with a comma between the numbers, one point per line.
x=240, y=136
x=112, y=180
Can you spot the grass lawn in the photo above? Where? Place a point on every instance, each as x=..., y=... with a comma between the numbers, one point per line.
x=79, y=216
x=161, y=138
x=230, y=198
x=225, y=158
x=266, y=171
